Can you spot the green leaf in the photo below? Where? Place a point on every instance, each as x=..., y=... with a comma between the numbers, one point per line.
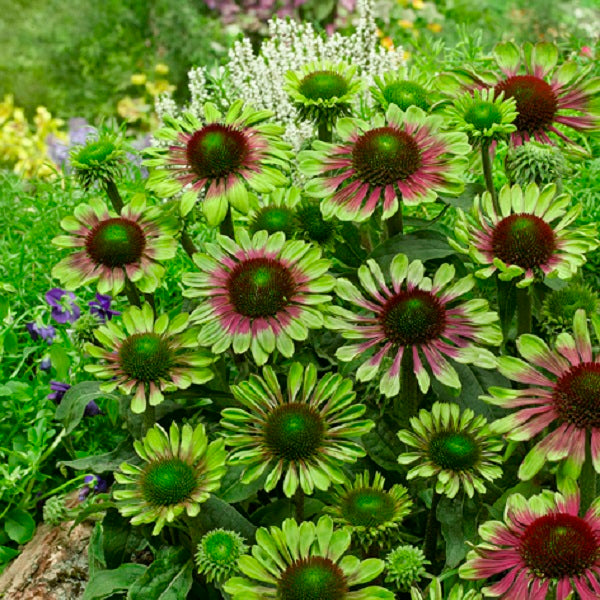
x=233, y=491
x=93, y=509
x=465, y=200
x=7, y=554
x=382, y=443
x=96, y=560
x=60, y=362
x=10, y=343
x=215, y=513
x=106, y=583
x=450, y=516
x=70, y=410
x=168, y=578
x=276, y=512
x=423, y=245
x=120, y=538
x=102, y=463
x=507, y=304
x=19, y=525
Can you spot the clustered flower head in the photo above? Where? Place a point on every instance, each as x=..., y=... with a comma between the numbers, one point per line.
x=304, y=434
x=405, y=566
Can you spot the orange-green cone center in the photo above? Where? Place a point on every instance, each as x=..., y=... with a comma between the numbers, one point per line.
x=405, y=94
x=413, y=317
x=323, y=85
x=273, y=219
x=524, y=240
x=559, y=545
x=577, y=396
x=95, y=152
x=367, y=507
x=314, y=578
x=453, y=450
x=311, y=222
x=116, y=242
x=536, y=101
x=260, y=287
x=217, y=151
x=385, y=155
x=483, y=115
x=168, y=482
x=145, y=357
x=294, y=431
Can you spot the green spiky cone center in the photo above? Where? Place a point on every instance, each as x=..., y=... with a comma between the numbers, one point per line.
x=310, y=220
x=217, y=151
x=167, y=482
x=294, y=431
x=523, y=240
x=323, y=85
x=385, y=155
x=405, y=565
x=454, y=450
x=367, y=507
x=273, y=219
x=314, y=578
x=221, y=548
x=260, y=287
x=559, y=545
x=535, y=99
x=95, y=152
x=577, y=396
x=483, y=115
x=413, y=317
x=405, y=94
x=116, y=242
x=146, y=357
x=561, y=305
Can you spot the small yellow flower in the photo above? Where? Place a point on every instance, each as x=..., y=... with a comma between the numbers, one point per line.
x=435, y=27
x=161, y=69
x=405, y=23
x=138, y=79
x=418, y=4
x=406, y=55
x=379, y=32
x=387, y=43
x=154, y=88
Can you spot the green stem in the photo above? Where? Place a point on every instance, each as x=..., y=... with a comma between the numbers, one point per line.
x=325, y=134
x=113, y=194
x=132, y=293
x=188, y=243
x=149, y=418
x=406, y=403
x=486, y=161
x=523, y=311
x=395, y=224
x=431, y=531
x=299, y=504
x=588, y=479
x=226, y=227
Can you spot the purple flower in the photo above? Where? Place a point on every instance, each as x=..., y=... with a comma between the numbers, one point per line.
x=37, y=331
x=59, y=389
x=63, y=306
x=92, y=409
x=45, y=364
x=101, y=308
x=100, y=486
x=79, y=131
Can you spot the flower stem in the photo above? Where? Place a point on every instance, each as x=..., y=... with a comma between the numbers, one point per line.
x=588, y=479
x=395, y=224
x=132, y=293
x=188, y=243
x=431, y=530
x=149, y=418
x=226, y=227
x=523, y=311
x=325, y=134
x=486, y=161
x=299, y=504
x=406, y=403
x=113, y=194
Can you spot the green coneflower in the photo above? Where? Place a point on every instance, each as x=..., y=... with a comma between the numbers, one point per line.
x=218, y=553
x=434, y=592
x=405, y=566
x=55, y=510
x=483, y=116
x=305, y=562
x=98, y=160
x=536, y=162
x=150, y=357
x=404, y=88
x=304, y=435
x=521, y=240
x=372, y=512
x=181, y=471
x=560, y=306
x=222, y=156
x=323, y=91
x=456, y=448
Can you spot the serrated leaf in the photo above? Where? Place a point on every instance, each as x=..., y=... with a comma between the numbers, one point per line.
x=450, y=516
x=168, y=578
x=120, y=538
x=232, y=490
x=102, y=463
x=107, y=583
x=215, y=513
x=19, y=525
